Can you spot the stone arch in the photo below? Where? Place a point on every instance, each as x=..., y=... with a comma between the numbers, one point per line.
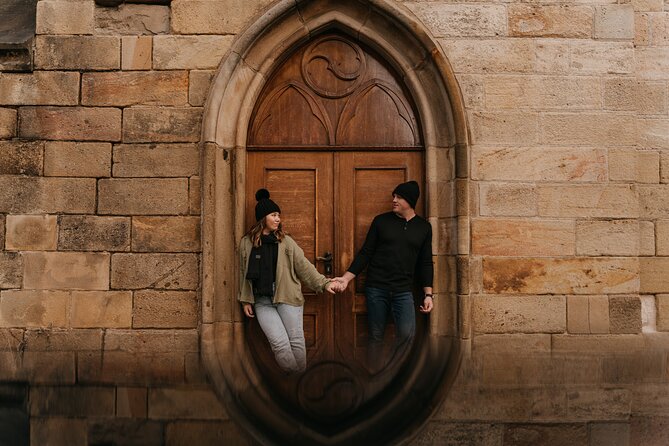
x=393, y=32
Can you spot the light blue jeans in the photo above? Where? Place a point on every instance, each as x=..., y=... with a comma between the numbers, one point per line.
x=282, y=324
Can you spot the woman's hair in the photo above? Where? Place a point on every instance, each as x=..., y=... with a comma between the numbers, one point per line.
x=256, y=231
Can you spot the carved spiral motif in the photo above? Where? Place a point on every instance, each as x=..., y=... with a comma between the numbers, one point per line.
x=344, y=61
x=330, y=390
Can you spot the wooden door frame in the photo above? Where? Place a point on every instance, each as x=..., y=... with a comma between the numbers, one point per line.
x=407, y=45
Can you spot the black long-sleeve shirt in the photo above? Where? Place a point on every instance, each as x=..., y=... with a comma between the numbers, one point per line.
x=393, y=250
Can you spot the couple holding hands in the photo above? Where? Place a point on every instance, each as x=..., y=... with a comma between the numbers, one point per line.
x=273, y=268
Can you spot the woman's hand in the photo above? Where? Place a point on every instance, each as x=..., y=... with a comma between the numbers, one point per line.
x=248, y=310
x=333, y=287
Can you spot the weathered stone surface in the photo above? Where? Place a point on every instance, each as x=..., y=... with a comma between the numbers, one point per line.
x=185, y=433
x=639, y=367
x=614, y=22
x=456, y=434
x=125, y=431
x=653, y=132
x=609, y=434
x=8, y=123
x=58, y=431
x=136, y=52
x=483, y=56
x=538, y=164
x=578, y=321
x=662, y=234
x=647, y=236
x=593, y=57
x=220, y=17
x=131, y=402
x=185, y=403
x=132, y=19
x=546, y=435
x=64, y=17
x=662, y=305
x=135, y=88
x=598, y=314
x=519, y=314
x=121, y=368
x=148, y=124
x=498, y=128
x=77, y=52
x=160, y=196
x=653, y=274
x=654, y=201
x=54, y=340
x=189, y=52
x=2, y=230
x=501, y=237
x=70, y=123
x=77, y=159
x=664, y=167
x=550, y=21
x=508, y=199
x=511, y=343
x=66, y=270
x=198, y=86
x=161, y=271
x=31, y=232
x=651, y=29
x=46, y=195
x=21, y=157
x=165, y=309
x=462, y=20
x=166, y=234
x=75, y=401
x=39, y=88
x=92, y=233
x=194, y=195
x=11, y=270
x=648, y=5
x=644, y=97
x=649, y=430
x=609, y=238
x=140, y=342
x=614, y=201
x=561, y=276
x=101, y=309
x=652, y=62
x=21, y=308
x=594, y=129
x=633, y=165
x=599, y=404
x=156, y=160
x=625, y=314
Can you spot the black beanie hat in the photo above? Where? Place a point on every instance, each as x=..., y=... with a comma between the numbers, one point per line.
x=265, y=206
x=409, y=191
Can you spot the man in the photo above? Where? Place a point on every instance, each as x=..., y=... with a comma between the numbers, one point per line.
x=398, y=244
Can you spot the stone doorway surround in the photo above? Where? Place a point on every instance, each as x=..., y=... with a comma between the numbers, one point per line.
x=402, y=40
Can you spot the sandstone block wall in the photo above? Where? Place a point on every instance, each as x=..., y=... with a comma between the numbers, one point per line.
x=565, y=275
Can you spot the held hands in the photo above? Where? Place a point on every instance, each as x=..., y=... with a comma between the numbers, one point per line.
x=334, y=286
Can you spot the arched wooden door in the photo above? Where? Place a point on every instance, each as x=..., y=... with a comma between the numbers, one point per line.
x=332, y=134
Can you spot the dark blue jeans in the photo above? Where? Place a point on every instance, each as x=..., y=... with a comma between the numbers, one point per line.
x=381, y=303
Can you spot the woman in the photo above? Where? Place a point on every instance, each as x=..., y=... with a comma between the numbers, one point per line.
x=272, y=267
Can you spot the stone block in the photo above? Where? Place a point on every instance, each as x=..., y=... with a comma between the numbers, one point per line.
x=652, y=62
x=614, y=22
x=528, y=344
x=644, y=97
x=46, y=195
x=546, y=434
x=504, y=128
x=647, y=235
x=198, y=86
x=185, y=403
x=456, y=434
x=591, y=129
x=504, y=237
x=551, y=56
x=577, y=315
x=101, y=309
x=662, y=317
x=77, y=53
x=72, y=401
x=189, y=52
x=491, y=56
x=599, y=404
x=77, y=159
x=598, y=314
x=125, y=431
x=508, y=199
x=625, y=314
x=143, y=196
x=2, y=231
x=543, y=92
x=136, y=52
x=662, y=236
x=70, y=123
x=28, y=308
x=132, y=20
x=55, y=340
x=140, y=342
x=583, y=275
x=8, y=123
x=653, y=132
x=93, y=233
x=592, y=200
x=135, y=88
x=126, y=369
x=649, y=430
x=39, y=88
x=519, y=314
x=185, y=433
x=194, y=196
x=149, y=124
x=11, y=339
x=538, y=164
x=166, y=234
x=11, y=270
x=462, y=20
x=641, y=166
x=650, y=399
x=64, y=17
x=156, y=160
x=658, y=25
x=563, y=21
x=636, y=368
x=21, y=157
x=195, y=369
x=58, y=431
x=648, y=5
x=66, y=270
x=131, y=402
x=602, y=344
x=608, y=237
x=664, y=167
x=601, y=58
x=654, y=201
x=609, y=434
x=219, y=17
x=165, y=309
x=160, y=271
x=31, y=233
x=642, y=33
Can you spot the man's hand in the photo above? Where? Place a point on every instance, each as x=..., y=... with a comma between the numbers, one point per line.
x=248, y=310
x=427, y=306
x=334, y=286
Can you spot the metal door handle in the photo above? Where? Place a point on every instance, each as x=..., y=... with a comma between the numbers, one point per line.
x=327, y=259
